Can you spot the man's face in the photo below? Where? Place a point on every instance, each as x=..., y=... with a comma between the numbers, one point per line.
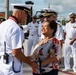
x=23, y=17
x=42, y=19
x=51, y=18
x=55, y=17
x=34, y=19
x=72, y=19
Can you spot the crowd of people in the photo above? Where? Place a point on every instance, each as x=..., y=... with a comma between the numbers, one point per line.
x=66, y=38
x=45, y=43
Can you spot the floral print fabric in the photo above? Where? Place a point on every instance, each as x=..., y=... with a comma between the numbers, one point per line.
x=43, y=51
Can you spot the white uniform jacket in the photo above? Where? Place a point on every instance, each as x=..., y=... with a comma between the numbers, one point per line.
x=59, y=33
x=12, y=34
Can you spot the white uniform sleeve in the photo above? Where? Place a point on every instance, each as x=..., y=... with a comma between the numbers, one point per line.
x=59, y=52
x=28, y=27
x=61, y=34
x=39, y=30
x=17, y=38
x=65, y=28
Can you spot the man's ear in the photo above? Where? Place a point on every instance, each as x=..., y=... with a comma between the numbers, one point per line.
x=19, y=14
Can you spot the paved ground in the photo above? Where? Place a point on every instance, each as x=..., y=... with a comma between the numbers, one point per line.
x=27, y=69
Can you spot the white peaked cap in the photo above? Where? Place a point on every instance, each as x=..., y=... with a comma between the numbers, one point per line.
x=23, y=5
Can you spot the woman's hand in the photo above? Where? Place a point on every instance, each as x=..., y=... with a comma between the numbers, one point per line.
x=49, y=60
x=34, y=64
x=59, y=61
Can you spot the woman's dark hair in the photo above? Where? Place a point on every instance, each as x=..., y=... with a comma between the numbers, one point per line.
x=53, y=25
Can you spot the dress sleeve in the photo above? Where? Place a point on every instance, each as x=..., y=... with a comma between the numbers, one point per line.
x=58, y=47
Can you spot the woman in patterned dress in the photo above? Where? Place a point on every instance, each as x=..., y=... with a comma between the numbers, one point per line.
x=47, y=52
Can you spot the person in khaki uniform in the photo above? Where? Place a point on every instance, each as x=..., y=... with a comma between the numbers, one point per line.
x=11, y=41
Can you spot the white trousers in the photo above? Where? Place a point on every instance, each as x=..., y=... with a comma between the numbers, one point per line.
x=6, y=69
x=32, y=41
x=68, y=50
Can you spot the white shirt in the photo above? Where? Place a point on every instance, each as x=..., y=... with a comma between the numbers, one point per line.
x=70, y=30
x=33, y=29
x=40, y=30
x=12, y=34
x=59, y=33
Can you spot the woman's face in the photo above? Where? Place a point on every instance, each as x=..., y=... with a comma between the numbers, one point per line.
x=46, y=30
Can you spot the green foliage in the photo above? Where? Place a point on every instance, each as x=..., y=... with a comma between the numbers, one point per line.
x=64, y=22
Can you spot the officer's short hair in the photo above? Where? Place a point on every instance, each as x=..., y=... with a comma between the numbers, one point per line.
x=34, y=17
x=41, y=16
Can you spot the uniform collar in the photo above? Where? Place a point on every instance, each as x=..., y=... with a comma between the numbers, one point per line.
x=14, y=19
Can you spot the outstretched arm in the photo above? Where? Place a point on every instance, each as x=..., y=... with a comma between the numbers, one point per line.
x=19, y=55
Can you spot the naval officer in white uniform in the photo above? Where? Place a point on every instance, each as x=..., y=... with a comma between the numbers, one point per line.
x=41, y=17
x=32, y=29
x=11, y=41
x=70, y=43
x=51, y=15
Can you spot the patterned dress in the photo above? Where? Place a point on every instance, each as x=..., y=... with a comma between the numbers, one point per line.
x=42, y=52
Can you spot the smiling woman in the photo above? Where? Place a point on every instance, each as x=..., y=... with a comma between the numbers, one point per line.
x=47, y=52
x=46, y=30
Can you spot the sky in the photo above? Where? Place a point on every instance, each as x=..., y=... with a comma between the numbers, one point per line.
x=63, y=7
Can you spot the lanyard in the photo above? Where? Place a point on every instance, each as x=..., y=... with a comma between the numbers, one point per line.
x=14, y=19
